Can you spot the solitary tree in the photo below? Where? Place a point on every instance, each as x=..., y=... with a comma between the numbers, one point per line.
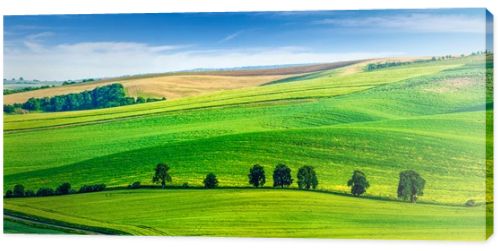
x=18, y=190
x=410, y=185
x=64, y=188
x=257, y=176
x=282, y=176
x=358, y=183
x=306, y=178
x=210, y=181
x=161, y=174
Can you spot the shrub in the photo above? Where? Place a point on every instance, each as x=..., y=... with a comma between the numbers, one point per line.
x=64, y=188
x=9, y=194
x=470, y=203
x=135, y=185
x=211, y=181
x=18, y=190
x=185, y=185
x=45, y=191
x=92, y=188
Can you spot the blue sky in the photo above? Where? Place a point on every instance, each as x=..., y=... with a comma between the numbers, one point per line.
x=59, y=47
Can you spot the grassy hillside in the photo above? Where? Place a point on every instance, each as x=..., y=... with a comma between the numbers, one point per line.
x=257, y=212
x=304, y=122
x=432, y=117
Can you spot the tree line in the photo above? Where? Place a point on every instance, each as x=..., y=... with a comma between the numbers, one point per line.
x=26, y=89
x=63, y=189
x=101, y=97
x=411, y=184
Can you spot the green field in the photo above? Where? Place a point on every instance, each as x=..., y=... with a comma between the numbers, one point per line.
x=15, y=227
x=257, y=212
x=432, y=117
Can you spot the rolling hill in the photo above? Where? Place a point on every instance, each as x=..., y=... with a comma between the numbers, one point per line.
x=429, y=116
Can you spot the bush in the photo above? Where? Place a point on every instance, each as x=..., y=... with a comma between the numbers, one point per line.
x=45, y=191
x=18, y=190
x=9, y=194
x=470, y=203
x=92, y=188
x=64, y=188
x=185, y=185
x=135, y=185
x=211, y=181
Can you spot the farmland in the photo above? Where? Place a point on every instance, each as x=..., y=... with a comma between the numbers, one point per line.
x=233, y=212
x=430, y=117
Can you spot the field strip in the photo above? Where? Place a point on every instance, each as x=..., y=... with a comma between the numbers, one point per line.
x=38, y=223
x=200, y=101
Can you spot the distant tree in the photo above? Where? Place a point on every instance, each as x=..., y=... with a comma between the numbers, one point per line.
x=257, y=176
x=282, y=176
x=45, y=191
x=140, y=100
x=135, y=185
x=161, y=174
x=64, y=188
x=210, y=181
x=18, y=190
x=8, y=108
x=358, y=183
x=9, y=194
x=410, y=185
x=33, y=104
x=306, y=178
x=92, y=188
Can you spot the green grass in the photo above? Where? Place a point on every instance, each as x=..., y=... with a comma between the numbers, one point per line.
x=257, y=213
x=434, y=118
x=15, y=227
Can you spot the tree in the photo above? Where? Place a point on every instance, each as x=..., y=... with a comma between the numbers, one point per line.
x=358, y=183
x=45, y=191
x=210, y=181
x=18, y=190
x=64, y=188
x=282, y=176
x=9, y=194
x=257, y=176
x=140, y=100
x=306, y=178
x=410, y=185
x=161, y=174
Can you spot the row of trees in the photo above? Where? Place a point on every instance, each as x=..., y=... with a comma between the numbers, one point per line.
x=411, y=184
x=64, y=188
x=26, y=89
x=100, y=97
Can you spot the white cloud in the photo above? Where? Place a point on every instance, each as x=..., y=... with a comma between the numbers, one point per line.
x=107, y=59
x=413, y=22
